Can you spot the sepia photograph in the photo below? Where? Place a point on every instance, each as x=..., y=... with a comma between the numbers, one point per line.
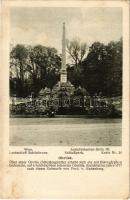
x=65, y=76
x=65, y=99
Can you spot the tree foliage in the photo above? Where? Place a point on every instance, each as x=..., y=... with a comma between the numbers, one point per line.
x=77, y=51
x=102, y=69
x=98, y=71
x=40, y=68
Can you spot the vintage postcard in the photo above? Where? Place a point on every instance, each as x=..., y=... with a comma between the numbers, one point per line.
x=65, y=99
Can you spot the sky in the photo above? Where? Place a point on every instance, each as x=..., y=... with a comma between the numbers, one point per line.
x=33, y=26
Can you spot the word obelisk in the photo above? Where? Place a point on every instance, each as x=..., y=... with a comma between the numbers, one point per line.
x=63, y=75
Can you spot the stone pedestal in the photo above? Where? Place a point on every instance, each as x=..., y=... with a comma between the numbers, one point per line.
x=63, y=77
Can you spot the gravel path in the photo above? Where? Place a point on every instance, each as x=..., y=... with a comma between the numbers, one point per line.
x=65, y=132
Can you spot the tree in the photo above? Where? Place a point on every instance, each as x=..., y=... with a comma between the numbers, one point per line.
x=35, y=68
x=18, y=57
x=102, y=69
x=77, y=51
x=44, y=67
x=114, y=66
x=74, y=76
x=94, y=68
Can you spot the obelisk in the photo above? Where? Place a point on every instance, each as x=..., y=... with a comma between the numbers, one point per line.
x=63, y=75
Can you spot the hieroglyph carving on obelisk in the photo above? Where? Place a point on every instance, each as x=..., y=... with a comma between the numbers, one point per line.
x=63, y=76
